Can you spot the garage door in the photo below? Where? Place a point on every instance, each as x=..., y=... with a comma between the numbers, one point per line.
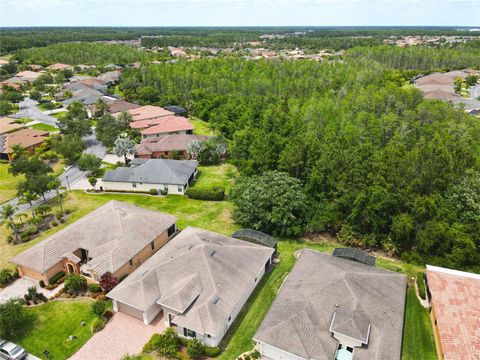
x=137, y=314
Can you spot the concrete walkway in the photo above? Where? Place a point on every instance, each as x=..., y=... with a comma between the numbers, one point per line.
x=123, y=334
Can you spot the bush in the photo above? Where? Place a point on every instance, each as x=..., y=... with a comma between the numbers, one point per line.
x=255, y=355
x=75, y=283
x=6, y=277
x=212, y=193
x=153, y=192
x=195, y=349
x=98, y=307
x=152, y=344
x=41, y=283
x=12, y=317
x=97, y=325
x=212, y=351
x=108, y=315
x=421, y=285
x=108, y=282
x=29, y=231
x=54, y=279
x=164, y=192
x=94, y=288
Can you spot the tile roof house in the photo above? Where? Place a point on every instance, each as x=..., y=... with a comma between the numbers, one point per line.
x=59, y=66
x=145, y=174
x=455, y=312
x=116, y=238
x=147, y=112
x=8, y=125
x=334, y=308
x=165, y=147
x=166, y=126
x=28, y=138
x=121, y=105
x=200, y=280
x=110, y=77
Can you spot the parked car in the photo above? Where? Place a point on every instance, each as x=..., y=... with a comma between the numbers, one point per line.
x=11, y=351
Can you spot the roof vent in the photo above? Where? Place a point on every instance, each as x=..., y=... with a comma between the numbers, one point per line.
x=213, y=253
x=216, y=300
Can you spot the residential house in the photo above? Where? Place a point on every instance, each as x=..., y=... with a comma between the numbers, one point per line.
x=166, y=147
x=8, y=125
x=455, y=312
x=22, y=77
x=330, y=307
x=110, y=77
x=29, y=139
x=146, y=112
x=199, y=281
x=59, y=66
x=173, y=176
x=164, y=126
x=178, y=110
x=121, y=105
x=114, y=239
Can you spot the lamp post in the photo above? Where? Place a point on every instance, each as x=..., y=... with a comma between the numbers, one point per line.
x=68, y=184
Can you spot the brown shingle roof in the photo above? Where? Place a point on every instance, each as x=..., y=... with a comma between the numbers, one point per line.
x=172, y=142
x=455, y=298
x=59, y=66
x=121, y=105
x=112, y=235
x=24, y=137
x=8, y=124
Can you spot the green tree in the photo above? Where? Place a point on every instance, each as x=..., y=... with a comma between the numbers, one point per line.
x=6, y=213
x=124, y=147
x=89, y=163
x=125, y=119
x=55, y=185
x=75, y=122
x=5, y=108
x=93, y=181
x=101, y=108
x=108, y=129
x=29, y=198
x=75, y=283
x=12, y=318
x=273, y=202
x=35, y=95
x=69, y=146
x=18, y=151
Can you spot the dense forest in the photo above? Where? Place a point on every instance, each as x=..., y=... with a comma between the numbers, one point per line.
x=380, y=166
x=83, y=53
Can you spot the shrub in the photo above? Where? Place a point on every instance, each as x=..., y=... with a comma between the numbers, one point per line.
x=255, y=355
x=6, y=277
x=108, y=315
x=152, y=344
x=131, y=357
x=29, y=231
x=98, y=307
x=195, y=349
x=54, y=279
x=212, y=193
x=212, y=351
x=94, y=288
x=164, y=192
x=421, y=285
x=101, y=297
x=153, y=192
x=97, y=325
x=168, y=343
x=12, y=317
x=75, y=283
x=54, y=223
x=41, y=283
x=108, y=282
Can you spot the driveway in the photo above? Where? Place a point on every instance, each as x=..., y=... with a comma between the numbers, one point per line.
x=20, y=287
x=123, y=334
x=29, y=109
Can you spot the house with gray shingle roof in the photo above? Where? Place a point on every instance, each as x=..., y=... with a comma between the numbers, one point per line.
x=334, y=308
x=200, y=281
x=116, y=238
x=145, y=174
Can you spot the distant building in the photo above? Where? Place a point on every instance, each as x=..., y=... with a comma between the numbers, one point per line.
x=165, y=147
x=59, y=66
x=174, y=176
x=455, y=312
x=146, y=112
x=29, y=139
x=168, y=126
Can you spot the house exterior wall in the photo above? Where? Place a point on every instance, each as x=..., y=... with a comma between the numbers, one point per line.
x=129, y=310
x=436, y=334
x=273, y=353
x=151, y=313
x=32, y=274
x=160, y=135
x=165, y=155
x=128, y=186
x=142, y=255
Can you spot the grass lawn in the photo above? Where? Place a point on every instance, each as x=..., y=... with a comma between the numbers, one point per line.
x=201, y=127
x=45, y=127
x=23, y=120
x=8, y=183
x=59, y=115
x=418, y=341
x=222, y=175
x=49, y=326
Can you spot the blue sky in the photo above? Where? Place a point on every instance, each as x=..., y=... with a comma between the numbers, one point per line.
x=238, y=12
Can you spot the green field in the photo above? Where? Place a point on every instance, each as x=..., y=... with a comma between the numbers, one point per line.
x=49, y=325
x=8, y=184
x=221, y=175
x=45, y=127
x=418, y=341
x=201, y=127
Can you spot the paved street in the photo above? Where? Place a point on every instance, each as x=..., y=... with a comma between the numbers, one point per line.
x=70, y=176
x=29, y=109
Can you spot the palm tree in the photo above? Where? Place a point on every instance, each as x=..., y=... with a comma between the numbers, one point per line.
x=29, y=197
x=55, y=185
x=18, y=151
x=6, y=213
x=123, y=147
x=101, y=107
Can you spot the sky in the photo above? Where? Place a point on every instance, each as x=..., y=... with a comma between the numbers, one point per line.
x=239, y=12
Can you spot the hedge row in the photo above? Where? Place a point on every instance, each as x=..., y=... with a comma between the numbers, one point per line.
x=213, y=193
x=56, y=277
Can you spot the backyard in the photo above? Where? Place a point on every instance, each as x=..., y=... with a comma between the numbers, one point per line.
x=48, y=327
x=221, y=175
x=8, y=184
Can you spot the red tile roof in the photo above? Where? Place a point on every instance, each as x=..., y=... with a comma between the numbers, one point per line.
x=456, y=302
x=169, y=125
x=147, y=112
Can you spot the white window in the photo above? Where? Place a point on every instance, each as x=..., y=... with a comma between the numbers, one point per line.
x=180, y=188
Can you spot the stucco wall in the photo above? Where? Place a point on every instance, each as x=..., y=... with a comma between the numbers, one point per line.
x=128, y=186
x=150, y=136
x=32, y=274
x=142, y=255
x=275, y=354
